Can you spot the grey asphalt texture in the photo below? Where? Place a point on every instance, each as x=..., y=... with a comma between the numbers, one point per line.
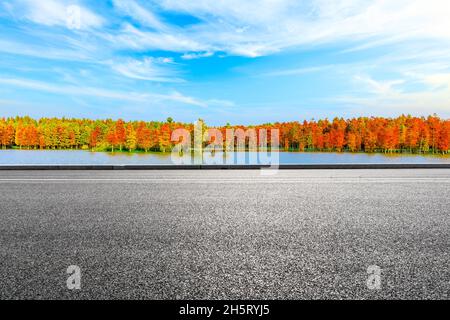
x=225, y=234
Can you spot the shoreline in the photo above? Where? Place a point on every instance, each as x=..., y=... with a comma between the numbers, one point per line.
x=131, y=153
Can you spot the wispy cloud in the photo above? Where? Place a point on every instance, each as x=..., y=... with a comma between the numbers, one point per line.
x=393, y=95
x=379, y=87
x=101, y=93
x=57, y=13
x=253, y=29
x=131, y=37
x=192, y=55
x=296, y=71
x=139, y=13
x=149, y=68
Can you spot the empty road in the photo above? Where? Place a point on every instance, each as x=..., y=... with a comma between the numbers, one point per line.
x=234, y=234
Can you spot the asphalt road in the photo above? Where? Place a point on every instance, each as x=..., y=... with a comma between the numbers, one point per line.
x=225, y=234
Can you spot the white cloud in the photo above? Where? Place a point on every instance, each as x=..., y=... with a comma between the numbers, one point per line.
x=438, y=81
x=258, y=28
x=297, y=71
x=419, y=103
x=176, y=96
x=255, y=28
x=192, y=55
x=101, y=93
x=393, y=96
x=44, y=52
x=56, y=13
x=133, y=38
x=150, y=69
x=379, y=87
x=139, y=13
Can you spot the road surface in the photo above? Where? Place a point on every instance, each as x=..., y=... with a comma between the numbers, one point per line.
x=225, y=234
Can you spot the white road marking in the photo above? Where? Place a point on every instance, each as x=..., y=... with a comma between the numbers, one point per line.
x=234, y=180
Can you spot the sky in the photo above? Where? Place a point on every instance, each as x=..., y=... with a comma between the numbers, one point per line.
x=236, y=61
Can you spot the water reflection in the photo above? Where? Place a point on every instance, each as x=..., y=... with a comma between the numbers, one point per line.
x=86, y=157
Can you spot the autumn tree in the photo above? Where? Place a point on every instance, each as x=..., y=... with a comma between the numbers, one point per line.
x=131, y=139
x=94, y=137
x=121, y=135
x=444, y=137
x=111, y=138
x=20, y=135
x=164, y=138
x=375, y=134
x=143, y=137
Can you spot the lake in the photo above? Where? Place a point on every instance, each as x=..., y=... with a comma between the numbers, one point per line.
x=61, y=157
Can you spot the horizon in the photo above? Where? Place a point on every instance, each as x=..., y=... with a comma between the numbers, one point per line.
x=286, y=61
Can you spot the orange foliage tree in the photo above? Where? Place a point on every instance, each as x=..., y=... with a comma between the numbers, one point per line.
x=364, y=134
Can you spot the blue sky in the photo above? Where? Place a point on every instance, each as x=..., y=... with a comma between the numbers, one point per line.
x=231, y=61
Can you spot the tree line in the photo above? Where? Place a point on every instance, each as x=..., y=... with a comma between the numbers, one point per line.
x=364, y=134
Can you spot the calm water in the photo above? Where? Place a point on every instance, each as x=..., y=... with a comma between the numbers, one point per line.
x=86, y=157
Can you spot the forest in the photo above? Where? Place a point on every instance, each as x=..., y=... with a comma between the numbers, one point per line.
x=363, y=134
